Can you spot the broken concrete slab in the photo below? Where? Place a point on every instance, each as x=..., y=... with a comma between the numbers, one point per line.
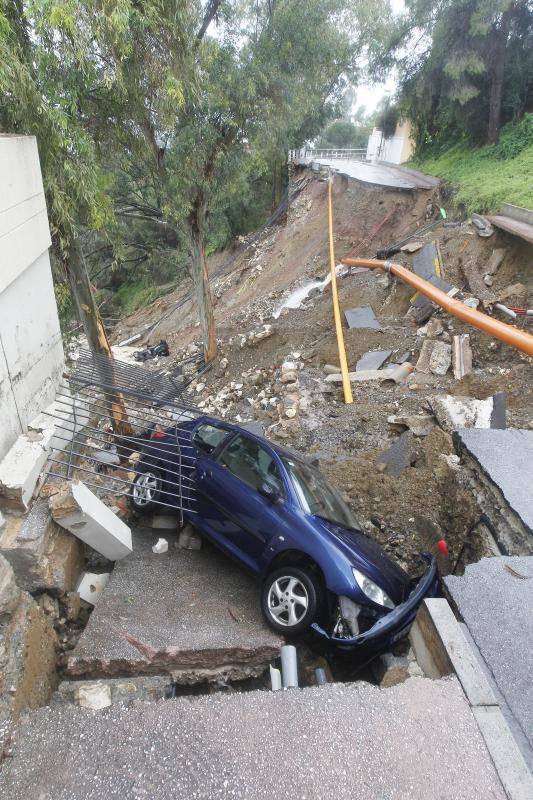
x=390, y=670
x=419, y=424
x=396, y=374
x=455, y=412
x=194, y=615
x=499, y=622
x=126, y=691
x=494, y=262
x=374, y=359
x=499, y=411
x=506, y=458
x=43, y=555
x=21, y=467
x=422, y=365
x=362, y=317
x=226, y=747
x=411, y=247
x=82, y=513
x=397, y=457
x=476, y=283
x=461, y=356
x=440, y=358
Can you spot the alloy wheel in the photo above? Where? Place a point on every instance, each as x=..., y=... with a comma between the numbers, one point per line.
x=288, y=601
x=145, y=489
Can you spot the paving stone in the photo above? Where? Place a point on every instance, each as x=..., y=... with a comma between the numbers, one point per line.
x=374, y=359
x=362, y=317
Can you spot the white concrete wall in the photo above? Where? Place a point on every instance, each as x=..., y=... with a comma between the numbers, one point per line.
x=395, y=150
x=31, y=354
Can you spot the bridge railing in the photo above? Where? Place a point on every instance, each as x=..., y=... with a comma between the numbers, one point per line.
x=354, y=154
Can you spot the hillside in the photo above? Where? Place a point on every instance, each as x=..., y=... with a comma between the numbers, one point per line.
x=405, y=512
x=485, y=177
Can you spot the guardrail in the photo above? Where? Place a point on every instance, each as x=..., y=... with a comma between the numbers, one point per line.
x=355, y=154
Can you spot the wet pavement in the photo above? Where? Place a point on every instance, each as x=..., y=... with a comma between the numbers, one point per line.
x=183, y=610
x=386, y=175
x=414, y=741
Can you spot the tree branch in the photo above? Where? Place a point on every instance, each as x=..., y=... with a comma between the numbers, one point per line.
x=210, y=14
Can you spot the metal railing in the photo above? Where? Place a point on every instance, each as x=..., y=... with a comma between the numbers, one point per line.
x=354, y=154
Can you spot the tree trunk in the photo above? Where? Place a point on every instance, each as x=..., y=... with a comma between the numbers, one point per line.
x=498, y=53
x=278, y=184
x=95, y=332
x=200, y=277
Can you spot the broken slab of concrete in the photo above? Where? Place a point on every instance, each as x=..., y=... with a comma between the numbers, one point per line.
x=44, y=557
x=476, y=283
x=454, y=412
x=495, y=261
x=93, y=695
x=9, y=591
x=440, y=358
x=397, y=457
x=126, y=691
x=193, y=615
x=461, y=356
x=419, y=424
x=396, y=374
x=21, y=467
x=362, y=317
x=82, y=513
x=503, y=463
x=390, y=670
x=374, y=359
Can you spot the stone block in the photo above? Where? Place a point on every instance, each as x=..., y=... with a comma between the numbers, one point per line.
x=42, y=554
x=391, y=670
x=92, y=585
x=9, y=591
x=82, y=513
x=21, y=467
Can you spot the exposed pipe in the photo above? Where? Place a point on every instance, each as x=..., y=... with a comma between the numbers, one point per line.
x=499, y=330
x=289, y=666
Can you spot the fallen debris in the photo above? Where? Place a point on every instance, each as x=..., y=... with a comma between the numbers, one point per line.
x=476, y=283
x=374, y=359
x=419, y=424
x=440, y=358
x=362, y=317
x=396, y=374
x=495, y=262
x=94, y=696
x=161, y=546
x=453, y=413
x=21, y=467
x=9, y=591
x=482, y=225
x=397, y=457
x=189, y=539
x=82, y=513
x=158, y=350
x=92, y=585
x=411, y=247
x=461, y=356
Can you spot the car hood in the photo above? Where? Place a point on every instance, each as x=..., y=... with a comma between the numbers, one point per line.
x=367, y=555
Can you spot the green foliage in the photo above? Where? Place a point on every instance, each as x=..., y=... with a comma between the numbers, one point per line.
x=343, y=134
x=488, y=176
x=134, y=295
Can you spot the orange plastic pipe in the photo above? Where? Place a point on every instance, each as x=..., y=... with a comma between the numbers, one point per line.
x=500, y=330
x=346, y=385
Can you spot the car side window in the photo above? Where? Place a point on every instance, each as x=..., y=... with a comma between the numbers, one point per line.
x=250, y=462
x=208, y=437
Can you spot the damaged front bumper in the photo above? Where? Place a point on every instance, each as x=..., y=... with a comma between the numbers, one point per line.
x=392, y=626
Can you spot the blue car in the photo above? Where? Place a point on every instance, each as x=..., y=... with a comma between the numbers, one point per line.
x=272, y=510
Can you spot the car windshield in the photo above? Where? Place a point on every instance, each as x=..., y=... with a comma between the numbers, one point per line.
x=317, y=497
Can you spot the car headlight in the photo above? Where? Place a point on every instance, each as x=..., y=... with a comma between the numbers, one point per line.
x=372, y=590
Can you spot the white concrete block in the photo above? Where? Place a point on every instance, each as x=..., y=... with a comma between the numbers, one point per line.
x=91, y=586
x=84, y=515
x=94, y=696
x=21, y=467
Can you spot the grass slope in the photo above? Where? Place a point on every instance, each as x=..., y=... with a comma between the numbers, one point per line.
x=486, y=177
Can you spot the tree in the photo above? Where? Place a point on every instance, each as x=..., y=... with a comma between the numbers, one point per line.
x=461, y=62
x=341, y=134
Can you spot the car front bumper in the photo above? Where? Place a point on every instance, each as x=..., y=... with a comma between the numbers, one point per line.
x=392, y=626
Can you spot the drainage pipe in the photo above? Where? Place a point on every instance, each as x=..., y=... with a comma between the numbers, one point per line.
x=499, y=330
x=289, y=666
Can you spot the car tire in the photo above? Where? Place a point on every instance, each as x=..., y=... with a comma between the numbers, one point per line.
x=146, y=490
x=290, y=599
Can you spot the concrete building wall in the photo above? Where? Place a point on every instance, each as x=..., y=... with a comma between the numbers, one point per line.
x=31, y=353
x=396, y=149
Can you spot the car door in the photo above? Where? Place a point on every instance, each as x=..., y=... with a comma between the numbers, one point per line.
x=243, y=521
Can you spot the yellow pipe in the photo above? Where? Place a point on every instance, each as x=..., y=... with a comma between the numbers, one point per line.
x=346, y=385
x=500, y=330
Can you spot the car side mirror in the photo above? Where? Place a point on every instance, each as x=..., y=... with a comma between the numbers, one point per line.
x=269, y=492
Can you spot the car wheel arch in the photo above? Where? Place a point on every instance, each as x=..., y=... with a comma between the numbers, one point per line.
x=296, y=558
